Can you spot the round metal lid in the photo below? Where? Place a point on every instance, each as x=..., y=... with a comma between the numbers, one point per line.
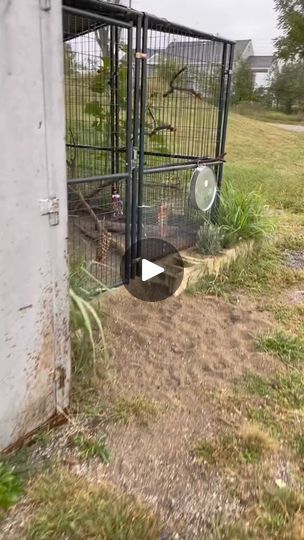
x=203, y=188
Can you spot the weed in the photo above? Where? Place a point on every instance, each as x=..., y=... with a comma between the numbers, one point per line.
x=10, y=487
x=290, y=349
x=137, y=409
x=66, y=506
x=90, y=447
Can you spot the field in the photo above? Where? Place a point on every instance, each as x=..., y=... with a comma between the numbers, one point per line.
x=192, y=426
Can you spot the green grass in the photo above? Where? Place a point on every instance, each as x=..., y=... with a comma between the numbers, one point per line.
x=261, y=272
x=231, y=450
x=92, y=447
x=278, y=514
x=128, y=410
x=298, y=445
x=66, y=506
x=285, y=391
x=268, y=158
x=243, y=215
x=258, y=112
x=290, y=349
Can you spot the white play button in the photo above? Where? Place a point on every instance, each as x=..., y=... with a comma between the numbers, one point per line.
x=150, y=270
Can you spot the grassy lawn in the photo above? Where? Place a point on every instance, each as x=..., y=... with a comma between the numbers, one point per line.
x=269, y=159
x=255, y=111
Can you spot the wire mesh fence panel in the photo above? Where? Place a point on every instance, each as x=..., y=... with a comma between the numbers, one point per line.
x=146, y=103
x=96, y=230
x=186, y=82
x=183, y=96
x=97, y=64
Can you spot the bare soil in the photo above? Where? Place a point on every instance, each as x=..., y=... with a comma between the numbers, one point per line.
x=177, y=353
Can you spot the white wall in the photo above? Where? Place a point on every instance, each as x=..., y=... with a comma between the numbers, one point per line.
x=33, y=259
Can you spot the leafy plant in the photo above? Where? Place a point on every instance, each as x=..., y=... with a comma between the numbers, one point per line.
x=87, y=334
x=209, y=239
x=90, y=447
x=10, y=486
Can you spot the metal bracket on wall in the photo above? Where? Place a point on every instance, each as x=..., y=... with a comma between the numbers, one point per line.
x=45, y=5
x=50, y=207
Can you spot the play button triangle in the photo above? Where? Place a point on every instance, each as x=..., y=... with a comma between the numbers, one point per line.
x=149, y=270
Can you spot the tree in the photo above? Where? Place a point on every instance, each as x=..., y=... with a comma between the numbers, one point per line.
x=290, y=46
x=287, y=86
x=102, y=35
x=243, y=83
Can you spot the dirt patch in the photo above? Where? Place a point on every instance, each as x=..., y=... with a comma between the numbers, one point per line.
x=290, y=127
x=165, y=350
x=175, y=353
x=295, y=259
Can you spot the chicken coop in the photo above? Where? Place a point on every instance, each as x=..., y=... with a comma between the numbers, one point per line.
x=146, y=105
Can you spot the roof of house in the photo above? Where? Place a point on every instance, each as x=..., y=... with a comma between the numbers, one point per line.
x=240, y=46
x=260, y=63
x=195, y=51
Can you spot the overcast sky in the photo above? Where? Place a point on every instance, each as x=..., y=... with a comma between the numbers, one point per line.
x=235, y=19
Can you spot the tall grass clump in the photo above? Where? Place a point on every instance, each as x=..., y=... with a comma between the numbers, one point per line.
x=242, y=215
x=86, y=329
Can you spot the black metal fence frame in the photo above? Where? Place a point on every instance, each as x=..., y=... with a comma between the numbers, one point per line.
x=121, y=17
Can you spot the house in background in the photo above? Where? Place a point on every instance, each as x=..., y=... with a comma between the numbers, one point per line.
x=261, y=66
x=196, y=54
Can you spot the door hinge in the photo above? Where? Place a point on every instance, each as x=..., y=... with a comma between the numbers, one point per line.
x=45, y=5
x=50, y=207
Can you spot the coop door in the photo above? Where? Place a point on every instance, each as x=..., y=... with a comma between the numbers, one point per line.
x=99, y=65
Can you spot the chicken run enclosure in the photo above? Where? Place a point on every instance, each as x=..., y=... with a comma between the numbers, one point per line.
x=146, y=104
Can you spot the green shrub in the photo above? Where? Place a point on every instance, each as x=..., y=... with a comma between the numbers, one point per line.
x=10, y=487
